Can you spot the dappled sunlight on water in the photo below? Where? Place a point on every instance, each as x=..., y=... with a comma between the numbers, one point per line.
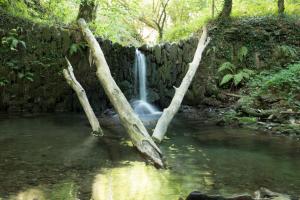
x=55, y=157
x=137, y=180
x=134, y=180
x=30, y=194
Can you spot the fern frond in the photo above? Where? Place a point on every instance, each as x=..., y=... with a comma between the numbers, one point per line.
x=226, y=79
x=242, y=53
x=237, y=78
x=227, y=66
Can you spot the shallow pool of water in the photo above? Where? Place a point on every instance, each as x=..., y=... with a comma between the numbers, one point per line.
x=54, y=157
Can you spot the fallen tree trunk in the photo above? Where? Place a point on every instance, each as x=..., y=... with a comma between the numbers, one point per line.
x=257, y=112
x=133, y=125
x=71, y=80
x=168, y=113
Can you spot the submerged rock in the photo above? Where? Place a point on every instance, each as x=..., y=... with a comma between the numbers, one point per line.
x=261, y=194
x=264, y=193
x=199, y=196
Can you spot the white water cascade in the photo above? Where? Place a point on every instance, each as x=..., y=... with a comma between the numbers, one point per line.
x=141, y=106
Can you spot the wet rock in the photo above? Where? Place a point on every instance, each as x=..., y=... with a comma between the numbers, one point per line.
x=173, y=52
x=14, y=108
x=261, y=194
x=144, y=48
x=152, y=96
x=157, y=53
x=210, y=101
x=199, y=196
x=49, y=91
x=266, y=194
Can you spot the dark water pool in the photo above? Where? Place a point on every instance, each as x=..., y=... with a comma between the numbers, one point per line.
x=54, y=157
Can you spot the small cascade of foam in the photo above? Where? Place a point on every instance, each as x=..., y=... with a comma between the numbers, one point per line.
x=141, y=106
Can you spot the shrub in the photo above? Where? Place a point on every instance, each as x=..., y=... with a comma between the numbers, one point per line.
x=235, y=74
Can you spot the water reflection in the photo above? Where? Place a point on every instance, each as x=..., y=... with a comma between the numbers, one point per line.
x=31, y=194
x=135, y=180
x=55, y=157
x=80, y=151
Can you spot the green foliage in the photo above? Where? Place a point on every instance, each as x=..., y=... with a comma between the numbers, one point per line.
x=260, y=8
x=76, y=47
x=213, y=49
x=26, y=75
x=64, y=191
x=48, y=12
x=3, y=81
x=285, y=80
x=23, y=73
x=227, y=66
x=181, y=31
x=234, y=74
x=120, y=21
x=227, y=78
x=282, y=84
x=238, y=77
x=10, y=45
x=286, y=51
x=12, y=40
x=242, y=53
x=247, y=120
x=188, y=16
x=244, y=74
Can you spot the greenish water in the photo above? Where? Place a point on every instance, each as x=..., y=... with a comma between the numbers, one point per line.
x=54, y=157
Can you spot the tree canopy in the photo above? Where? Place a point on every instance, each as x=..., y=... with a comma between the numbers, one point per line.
x=138, y=21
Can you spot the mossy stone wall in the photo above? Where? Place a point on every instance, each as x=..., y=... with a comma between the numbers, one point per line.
x=43, y=56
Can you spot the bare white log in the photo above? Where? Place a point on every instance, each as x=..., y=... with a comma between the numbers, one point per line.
x=169, y=113
x=130, y=121
x=75, y=85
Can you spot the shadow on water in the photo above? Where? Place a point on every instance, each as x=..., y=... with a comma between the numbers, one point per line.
x=54, y=157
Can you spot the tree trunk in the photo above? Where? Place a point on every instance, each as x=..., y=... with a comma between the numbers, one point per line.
x=213, y=9
x=71, y=80
x=226, y=11
x=87, y=10
x=128, y=118
x=160, y=34
x=170, y=112
x=280, y=7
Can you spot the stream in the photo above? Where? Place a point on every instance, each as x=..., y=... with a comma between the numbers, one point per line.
x=55, y=157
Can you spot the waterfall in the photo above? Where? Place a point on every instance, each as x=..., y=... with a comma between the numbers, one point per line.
x=140, y=74
x=141, y=106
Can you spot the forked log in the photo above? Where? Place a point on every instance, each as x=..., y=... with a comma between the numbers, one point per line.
x=130, y=121
x=75, y=85
x=169, y=113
